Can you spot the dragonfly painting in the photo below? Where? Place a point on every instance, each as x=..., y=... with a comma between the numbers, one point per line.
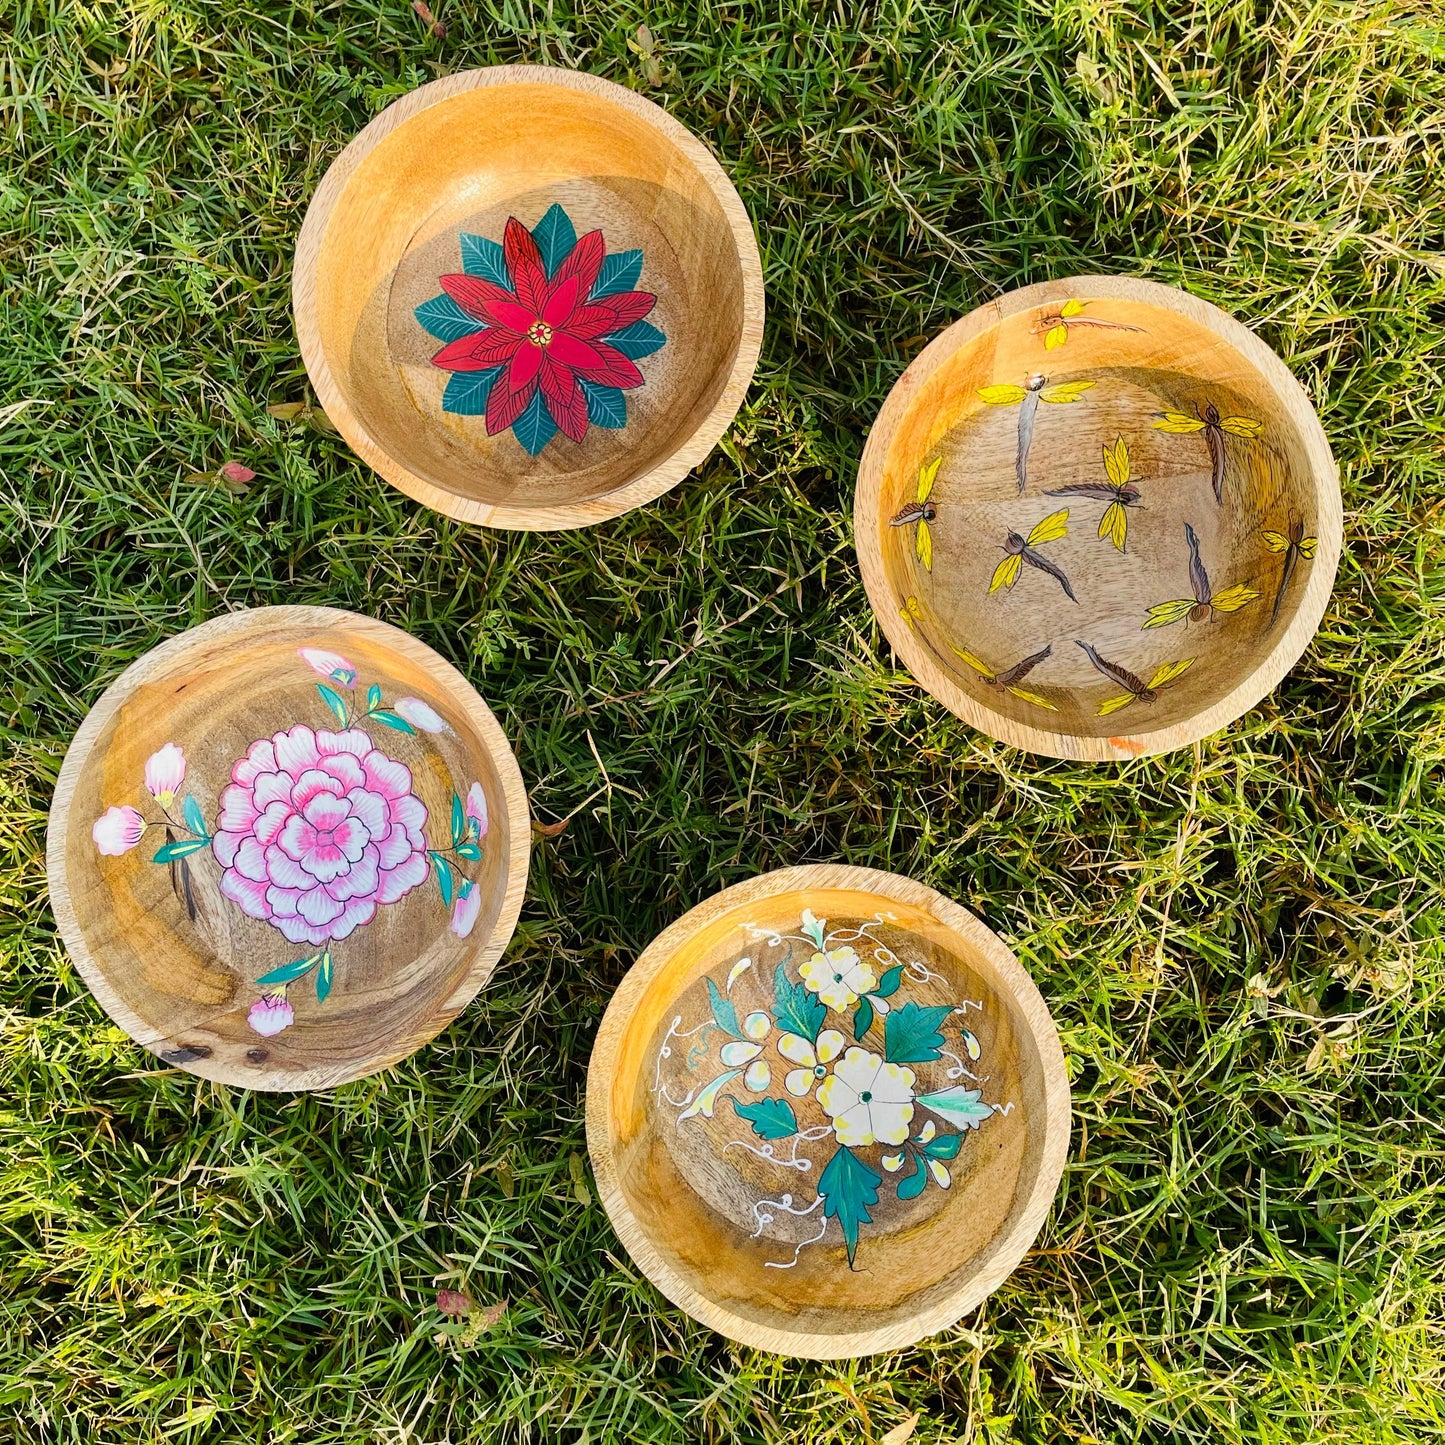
x=1215, y=429
x=1008, y=680
x=1027, y=397
x=1021, y=550
x=1137, y=689
x=1118, y=491
x=1056, y=325
x=1294, y=546
x=921, y=511
x=1204, y=604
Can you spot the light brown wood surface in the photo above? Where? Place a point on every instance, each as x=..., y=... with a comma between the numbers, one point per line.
x=172, y=958
x=1179, y=355
x=688, y=1192
x=463, y=154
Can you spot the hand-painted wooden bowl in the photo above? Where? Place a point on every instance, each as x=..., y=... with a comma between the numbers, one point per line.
x=1098, y=518
x=287, y=847
x=529, y=297
x=827, y=1112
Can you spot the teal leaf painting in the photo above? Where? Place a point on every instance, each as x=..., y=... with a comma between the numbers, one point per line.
x=446, y=879
x=911, y=1034
x=606, y=405
x=706, y=1101
x=962, y=1107
x=484, y=258
x=849, y=1187
x=445, y=320
x=813, y=927
x=795, y=1010
x=469, y=850
x=392, y=720
x=724, y=1011
x=862, y=1018
x=621, y=271
x=555, y=238
x=195, y=819
x=170, y=852
x=323, y=977
x=535, y=427
x=888, y=984
x=373, y=697
x=944, y=1146
x=912, y=1186
x=459, y=820
x=638, y=340
x=467, y=391
x=334, y=701
x=288, y=971
x=770, y=1118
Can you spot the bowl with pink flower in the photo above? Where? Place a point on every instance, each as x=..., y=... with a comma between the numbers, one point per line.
x=287, y=847
x=529, y=297
x=827, y=1112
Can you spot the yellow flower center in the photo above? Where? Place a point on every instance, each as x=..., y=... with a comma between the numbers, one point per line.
x=539, y=334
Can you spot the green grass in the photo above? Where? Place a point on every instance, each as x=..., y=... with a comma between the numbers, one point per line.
x=1240, y=941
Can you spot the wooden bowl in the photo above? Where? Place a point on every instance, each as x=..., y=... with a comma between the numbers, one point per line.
x=528, y=297
x=1098, y=518
x=287, y=847
x=827, y=1112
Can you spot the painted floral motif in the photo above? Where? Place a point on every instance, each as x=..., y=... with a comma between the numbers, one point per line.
x=542, y=332
x=869, y=1094
x=316, y=831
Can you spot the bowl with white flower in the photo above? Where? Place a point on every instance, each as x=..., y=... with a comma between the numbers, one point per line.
x=827, y=1112
x=287, y=847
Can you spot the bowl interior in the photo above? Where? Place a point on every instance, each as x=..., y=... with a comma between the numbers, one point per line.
x=1166, y=484
x=434, y=198
x=742, y=1073
x=324, y=855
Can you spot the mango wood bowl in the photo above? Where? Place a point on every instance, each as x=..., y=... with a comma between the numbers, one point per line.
x=1098, y=518
x=827, y=1112
x=528, y=297
x=287, y=847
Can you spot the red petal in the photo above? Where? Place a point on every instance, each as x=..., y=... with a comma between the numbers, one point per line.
x=616, y=369
x=504, y=406
x=475, y=296
x=525, y=365
x=573, y=352
x=524, y=261
x=477, y=353
x=583, y=261
x=612, y=313
x=562, y=302
x=565, y=399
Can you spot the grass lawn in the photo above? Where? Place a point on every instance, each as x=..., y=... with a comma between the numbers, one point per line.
x=1239, y=941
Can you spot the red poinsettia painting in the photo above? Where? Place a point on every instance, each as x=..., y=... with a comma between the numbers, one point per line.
x=543, y=332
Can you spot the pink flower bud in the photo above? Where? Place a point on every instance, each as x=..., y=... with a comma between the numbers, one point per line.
x=165, y=772
x=466, y=909
x=270, y=1014
x=329, y=664
x=420, y=715
x=117, y=831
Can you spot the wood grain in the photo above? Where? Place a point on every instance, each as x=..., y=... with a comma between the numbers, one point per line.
x=463, y=154
x=174, y=960
x=682, y=1193
x=1179, y=354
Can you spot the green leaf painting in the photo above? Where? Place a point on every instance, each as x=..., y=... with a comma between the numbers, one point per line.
x=469, y=850
x=467, y=391
x=795, y=1010
x=459, y=820
x=621, y=271
x=484, y=257
x=962, y=1107
x=373, y=697
x=911, y=1034
x=446, y=878
x=334, y=701
x=445, y=320
x=392, y=720
x=862, y=1018
x=535, y=427
x=770, y=1118
x=323, y=977
x=170, y=852
x=606, y=405
x=888, y=984
x=289, y=971
x=195, y=819
x=555, y=238
x=911, y=1186
x=638, y=340
x=723, y=1011
x=849, y=1187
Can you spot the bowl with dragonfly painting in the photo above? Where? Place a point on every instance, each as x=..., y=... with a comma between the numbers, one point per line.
x=1098, y=518
x=827, y=1112
x=528, y=297
x=287, y=847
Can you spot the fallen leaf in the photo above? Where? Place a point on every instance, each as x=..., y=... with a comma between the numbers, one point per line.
x=287, y=410
x=454, y=1302
x=577, y=1167
x=506, y=1180
x=549, y=830
x=238, y=473
x=321, y=421
x=901, y=1432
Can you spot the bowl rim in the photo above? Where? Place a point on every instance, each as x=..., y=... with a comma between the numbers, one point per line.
x=1288, y=648
x=646, y=488
x=212, y=635
x=1009, y=1247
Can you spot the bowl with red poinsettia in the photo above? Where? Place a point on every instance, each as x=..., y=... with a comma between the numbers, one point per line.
x=528, y=297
